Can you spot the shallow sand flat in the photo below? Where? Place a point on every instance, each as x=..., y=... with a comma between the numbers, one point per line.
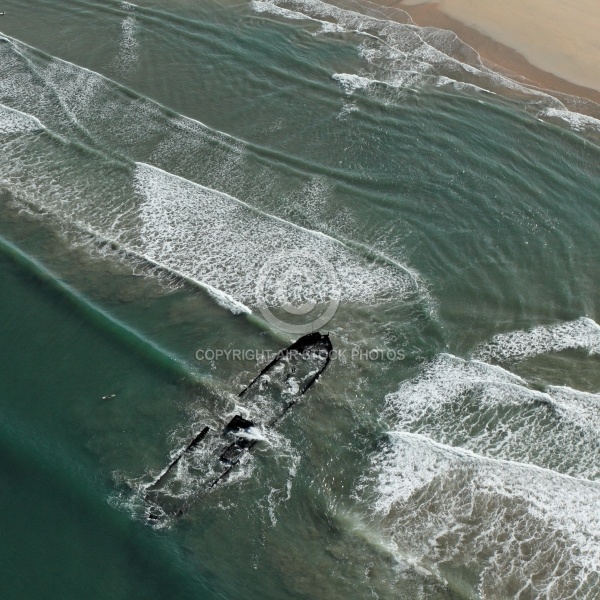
x=560, y=37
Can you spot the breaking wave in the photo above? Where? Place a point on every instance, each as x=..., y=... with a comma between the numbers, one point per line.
x=490, y=411
x=581, y=334
x=400, y=55
x=14, y=121
x=500, y=528
x=488, y=483
x=225, y=243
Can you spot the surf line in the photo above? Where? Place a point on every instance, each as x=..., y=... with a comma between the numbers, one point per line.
x=371, y=253
x=310, y=346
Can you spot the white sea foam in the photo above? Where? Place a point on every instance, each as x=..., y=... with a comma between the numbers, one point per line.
x=492, y=412
x=580, y=408
x=581, y=334
x=261, y=7
x=461, y=85
x=391, y=44
x=477, y=465
x=15, y=121
x=576, y=120
x=221, y=298
x=198, y=469
x=522, y=531
x=403, y=55
x=351, y=82
x=128, y=44
x=67, y=96
x=76, y=101
x=347, y=109
x=225, y=243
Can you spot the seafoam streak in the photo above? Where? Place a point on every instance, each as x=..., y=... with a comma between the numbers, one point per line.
x=490, y=411
x=15, y=121
x=581, y=334
x=405, y=56
x=521, y=531
x=224, y=242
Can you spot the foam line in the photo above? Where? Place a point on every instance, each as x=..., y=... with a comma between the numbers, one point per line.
x=411, y=56
x=15, y=121
x=487, y=410
x=67, y=111
x=226, y=243
x=469, y=454
x=220, y=297
x=580, y=334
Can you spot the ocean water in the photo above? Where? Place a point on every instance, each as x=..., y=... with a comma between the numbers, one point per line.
x=167, y=170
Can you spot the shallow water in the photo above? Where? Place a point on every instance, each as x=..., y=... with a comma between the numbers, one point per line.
x=162, y=162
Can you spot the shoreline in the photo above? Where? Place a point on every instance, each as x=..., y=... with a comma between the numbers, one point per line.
x=497, y=56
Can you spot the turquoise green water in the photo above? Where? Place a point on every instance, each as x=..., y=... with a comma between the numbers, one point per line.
x=161, y=162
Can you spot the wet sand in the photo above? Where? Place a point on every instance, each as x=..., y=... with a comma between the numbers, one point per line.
x=545, y=61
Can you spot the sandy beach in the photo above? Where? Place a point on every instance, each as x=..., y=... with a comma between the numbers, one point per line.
x=551, y=44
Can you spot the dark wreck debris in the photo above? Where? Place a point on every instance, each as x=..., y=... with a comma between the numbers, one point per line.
x=307, y=347
x=303, y=345
x=189, y=447
x=272, y=393
x=234, y=450
x=238, y=422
